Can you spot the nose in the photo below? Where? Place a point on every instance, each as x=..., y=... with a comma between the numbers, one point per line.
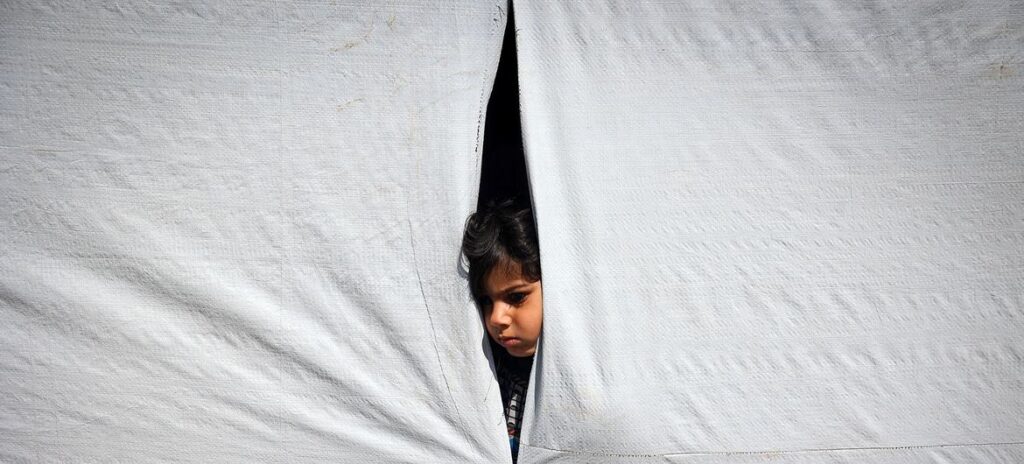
x=500, y=317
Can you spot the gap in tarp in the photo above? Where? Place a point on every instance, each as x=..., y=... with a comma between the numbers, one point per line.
x=503, y=171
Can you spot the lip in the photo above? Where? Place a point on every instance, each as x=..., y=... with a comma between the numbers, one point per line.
x=510, y=341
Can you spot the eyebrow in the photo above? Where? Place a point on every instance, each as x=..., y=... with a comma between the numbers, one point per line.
x=512, y=287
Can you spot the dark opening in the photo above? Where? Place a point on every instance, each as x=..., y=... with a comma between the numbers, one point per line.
x=503, y=171
x=503, y=175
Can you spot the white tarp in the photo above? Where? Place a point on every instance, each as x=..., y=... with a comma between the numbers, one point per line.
x=777, y=231
x=229, y=231
x=785, y=231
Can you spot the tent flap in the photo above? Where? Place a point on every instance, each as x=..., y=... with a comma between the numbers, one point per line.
x=231, y=232
x=787, y=230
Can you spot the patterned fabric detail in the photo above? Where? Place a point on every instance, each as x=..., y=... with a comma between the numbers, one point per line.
x=513, y=379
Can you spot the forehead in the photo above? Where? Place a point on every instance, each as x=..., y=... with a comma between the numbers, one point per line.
x=503, y=275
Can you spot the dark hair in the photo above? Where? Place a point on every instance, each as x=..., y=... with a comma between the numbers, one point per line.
x=500, y=233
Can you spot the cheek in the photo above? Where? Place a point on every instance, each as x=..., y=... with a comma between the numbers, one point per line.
x=487, y=325
x=534, y=322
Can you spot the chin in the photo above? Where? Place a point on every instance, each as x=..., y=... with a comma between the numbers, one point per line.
x=522, y=353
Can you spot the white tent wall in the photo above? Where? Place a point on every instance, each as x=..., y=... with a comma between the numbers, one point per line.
x=788, y=231
x=229, y=231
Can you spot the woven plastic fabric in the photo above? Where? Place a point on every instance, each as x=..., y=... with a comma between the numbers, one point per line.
x=777, y=231
x=229, y=231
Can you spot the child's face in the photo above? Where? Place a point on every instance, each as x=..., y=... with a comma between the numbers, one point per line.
x=513, y=309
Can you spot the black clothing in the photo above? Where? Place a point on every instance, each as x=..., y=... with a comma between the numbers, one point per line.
x=513, y=379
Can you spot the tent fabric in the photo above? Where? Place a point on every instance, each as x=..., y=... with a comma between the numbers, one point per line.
x=785, y=231
x=776, y=231
x=230, y=231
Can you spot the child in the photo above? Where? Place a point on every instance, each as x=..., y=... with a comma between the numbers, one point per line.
x=500, y=244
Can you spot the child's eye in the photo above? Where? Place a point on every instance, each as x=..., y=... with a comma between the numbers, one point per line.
x=516, y=297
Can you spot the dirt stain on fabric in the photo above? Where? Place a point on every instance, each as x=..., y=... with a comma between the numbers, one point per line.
x=1001, y=71
x=348, y=104
x=353, y=43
